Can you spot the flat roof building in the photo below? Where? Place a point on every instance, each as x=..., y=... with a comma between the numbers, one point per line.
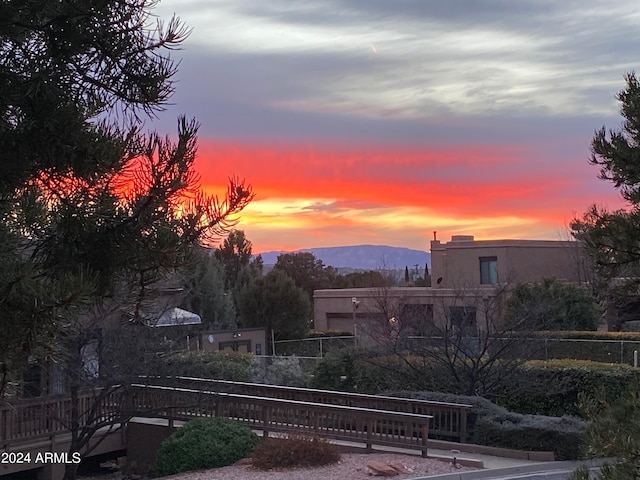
x=468, y=281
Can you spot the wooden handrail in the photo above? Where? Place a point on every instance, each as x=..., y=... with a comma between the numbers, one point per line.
x=449, y=419
x=366, y=425
x=37, y=417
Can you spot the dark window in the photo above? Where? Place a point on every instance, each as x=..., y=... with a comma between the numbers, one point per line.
x=258, y=349
x=417, y=318
x=488, y=270
x=463, y=319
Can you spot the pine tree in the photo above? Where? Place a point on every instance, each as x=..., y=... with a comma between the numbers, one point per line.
x=612, y=239
x=93, y=212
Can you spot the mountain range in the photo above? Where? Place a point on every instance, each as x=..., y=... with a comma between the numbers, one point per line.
x=363, y=257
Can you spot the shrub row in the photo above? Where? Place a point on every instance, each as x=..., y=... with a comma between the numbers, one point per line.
x=219, y=365
x=492, y=425
x=552, y=388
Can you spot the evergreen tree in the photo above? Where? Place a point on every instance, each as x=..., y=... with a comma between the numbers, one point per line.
x=307, y=271
x=612, y=239
x=613, y=433
x=206, y=294
x=234, y=254
x=275, y=302
x=93, y=213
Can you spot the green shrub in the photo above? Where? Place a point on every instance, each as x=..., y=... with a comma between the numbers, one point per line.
x=219, y=365
x=553, y=387
x=369, y=371
x=204, y=443
x=294, y=451
x=335, y=371
x=495, y=426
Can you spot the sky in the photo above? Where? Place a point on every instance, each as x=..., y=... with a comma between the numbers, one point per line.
x=382, y=121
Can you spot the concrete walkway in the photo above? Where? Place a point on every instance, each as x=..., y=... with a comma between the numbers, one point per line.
x=493, y=467
x=535, y=471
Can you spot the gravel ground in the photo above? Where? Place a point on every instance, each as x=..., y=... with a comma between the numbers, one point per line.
x=352, y=466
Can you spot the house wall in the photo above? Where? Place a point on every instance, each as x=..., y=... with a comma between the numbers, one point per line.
x=334, y=309
x=456, y=283
x=457, y=262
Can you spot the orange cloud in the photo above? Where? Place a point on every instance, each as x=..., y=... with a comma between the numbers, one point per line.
x=318, y=195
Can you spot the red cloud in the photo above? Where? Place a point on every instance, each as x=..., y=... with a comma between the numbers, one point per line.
x=455, y=182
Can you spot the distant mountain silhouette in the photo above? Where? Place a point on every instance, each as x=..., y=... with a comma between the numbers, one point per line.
x=366, y=257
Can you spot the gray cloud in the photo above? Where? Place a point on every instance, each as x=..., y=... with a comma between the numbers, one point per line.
x=463, y=71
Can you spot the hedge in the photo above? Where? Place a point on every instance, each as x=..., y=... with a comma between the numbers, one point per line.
x=222, y=365
x=552, y=387
x=495, y=426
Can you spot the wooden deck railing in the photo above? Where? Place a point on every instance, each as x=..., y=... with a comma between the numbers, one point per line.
x=449, y=419
x=32, y=418
x=365, y=425
x=370, y=419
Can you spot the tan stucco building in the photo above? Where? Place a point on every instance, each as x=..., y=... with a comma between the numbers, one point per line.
x=469, y=280
x=466, y=262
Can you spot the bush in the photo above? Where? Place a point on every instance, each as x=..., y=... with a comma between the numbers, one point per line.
x=495, y=426
x=294, y=451
x=281, y=371
x=335, y=371
x=218, y=365
x=551, y=305
x=368, y=371
x=553, y=387
x=204, y=443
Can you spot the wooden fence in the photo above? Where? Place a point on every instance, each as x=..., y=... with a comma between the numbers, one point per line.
x=449, y=420
x=364, y=425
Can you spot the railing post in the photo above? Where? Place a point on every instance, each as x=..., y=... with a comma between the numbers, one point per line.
x=370, y=425
x=425, y=435
x=265, y=421
x=463, y=425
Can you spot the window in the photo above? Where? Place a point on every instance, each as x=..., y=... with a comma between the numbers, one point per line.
x=417, y=318
x=488, y=270
x=463, y=319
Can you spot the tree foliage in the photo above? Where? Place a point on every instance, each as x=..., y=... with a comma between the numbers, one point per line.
x=275, y=302
x=86, y=205
x=612, y=239
x=307, y=271
x=552, y=305
x=234, y=254
x=206, y=294
x=366, y=279
x=94, y=213
x=614, y=433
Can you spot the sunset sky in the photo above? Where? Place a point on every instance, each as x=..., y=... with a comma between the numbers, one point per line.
x=380, y=121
